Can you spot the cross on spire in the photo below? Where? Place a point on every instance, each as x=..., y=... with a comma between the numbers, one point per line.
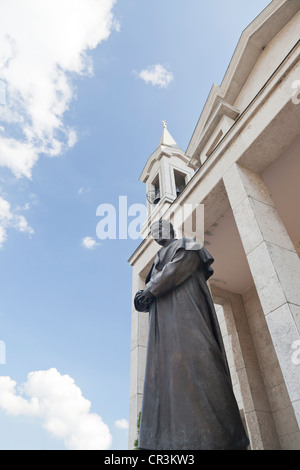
x=164, y=123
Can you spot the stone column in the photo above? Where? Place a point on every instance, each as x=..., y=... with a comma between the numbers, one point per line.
x=139, y=332
x=247, y=379
x=274, y=264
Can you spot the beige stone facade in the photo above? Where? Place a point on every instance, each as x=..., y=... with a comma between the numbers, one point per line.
x=243, y=165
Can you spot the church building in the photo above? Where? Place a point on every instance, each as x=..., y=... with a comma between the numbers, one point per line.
x=242, y=166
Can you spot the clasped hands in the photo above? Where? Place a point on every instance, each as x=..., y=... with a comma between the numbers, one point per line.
x=143, y=300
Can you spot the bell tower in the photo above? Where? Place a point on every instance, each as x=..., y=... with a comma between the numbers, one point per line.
x=166, y=173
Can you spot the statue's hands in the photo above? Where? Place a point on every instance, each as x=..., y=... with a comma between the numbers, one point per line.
x=146, y=297
x=143, y=299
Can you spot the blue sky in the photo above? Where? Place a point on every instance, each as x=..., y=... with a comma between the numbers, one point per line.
x=78, y=120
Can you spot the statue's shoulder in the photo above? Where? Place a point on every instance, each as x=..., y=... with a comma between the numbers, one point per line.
x=190, y=244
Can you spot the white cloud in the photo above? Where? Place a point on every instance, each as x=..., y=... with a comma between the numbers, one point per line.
x=19, y=157
x=11, y=218
x=21, y=224
x=57, y=401
x=3, y=236
x=44, y=47
x=89, y=243
x=156, y=75
x=5, y=212
x=121, y=424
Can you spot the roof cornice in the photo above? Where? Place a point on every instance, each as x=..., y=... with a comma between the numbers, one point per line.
x=222, y=109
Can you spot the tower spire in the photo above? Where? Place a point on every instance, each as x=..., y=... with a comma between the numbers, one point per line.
x=166, y=138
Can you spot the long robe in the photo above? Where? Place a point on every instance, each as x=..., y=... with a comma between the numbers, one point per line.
x=188, y=400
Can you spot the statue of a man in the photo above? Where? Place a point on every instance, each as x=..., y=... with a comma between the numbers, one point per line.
x=188, y=400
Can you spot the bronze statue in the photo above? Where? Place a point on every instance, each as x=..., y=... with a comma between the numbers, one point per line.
x=188, y=401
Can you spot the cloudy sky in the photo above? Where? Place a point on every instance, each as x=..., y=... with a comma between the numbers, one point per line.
x=84, y=86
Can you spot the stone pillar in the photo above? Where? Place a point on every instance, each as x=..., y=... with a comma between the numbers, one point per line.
x=247, y=380
x=139, y=332
x=274, y=264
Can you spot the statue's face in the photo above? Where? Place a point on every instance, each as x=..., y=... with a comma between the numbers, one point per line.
x=162, y=234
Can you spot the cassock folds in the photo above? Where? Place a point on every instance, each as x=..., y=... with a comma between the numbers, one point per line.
x=188, y=400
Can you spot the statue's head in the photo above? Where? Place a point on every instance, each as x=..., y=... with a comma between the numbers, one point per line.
x=162, y=231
